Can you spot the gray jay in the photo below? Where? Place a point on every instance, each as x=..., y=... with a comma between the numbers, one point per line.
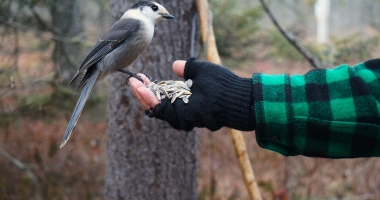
x=119, y=48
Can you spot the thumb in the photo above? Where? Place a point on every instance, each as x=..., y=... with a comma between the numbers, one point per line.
x=179, y=67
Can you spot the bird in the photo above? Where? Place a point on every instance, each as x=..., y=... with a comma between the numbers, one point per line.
x=122, y=44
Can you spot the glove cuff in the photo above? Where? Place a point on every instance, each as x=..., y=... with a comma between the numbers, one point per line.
x=234, y=98
x=237, y=99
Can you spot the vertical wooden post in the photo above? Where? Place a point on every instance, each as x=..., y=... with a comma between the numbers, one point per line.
x=322, y=12
x=208, y=39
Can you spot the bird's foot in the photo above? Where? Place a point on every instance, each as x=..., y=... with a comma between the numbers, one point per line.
x=131, y=74
x=150, y=78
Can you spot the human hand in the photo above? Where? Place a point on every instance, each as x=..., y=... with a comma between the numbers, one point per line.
x=219, y=98
x=145, y=96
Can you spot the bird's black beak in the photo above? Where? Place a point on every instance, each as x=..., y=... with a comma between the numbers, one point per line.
x=167, y=16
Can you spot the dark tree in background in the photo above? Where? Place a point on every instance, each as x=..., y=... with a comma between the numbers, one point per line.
x=60, y=22
x=147, y=159
x=66, y=22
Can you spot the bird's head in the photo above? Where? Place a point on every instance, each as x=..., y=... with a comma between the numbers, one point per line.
x=151, y=10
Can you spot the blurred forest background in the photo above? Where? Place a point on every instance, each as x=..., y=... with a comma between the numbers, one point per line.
x=43, y=42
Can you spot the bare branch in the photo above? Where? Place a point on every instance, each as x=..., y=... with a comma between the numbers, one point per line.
x=40, y=21
x=16, y=162
x=305, y=53
x=39, y=34
x=16, y=49
x=26, y=168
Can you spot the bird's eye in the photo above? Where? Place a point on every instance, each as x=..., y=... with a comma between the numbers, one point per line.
x=154, y=7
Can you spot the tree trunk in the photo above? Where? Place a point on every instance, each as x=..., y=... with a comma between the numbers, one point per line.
x=66, y=22
x=147, y=159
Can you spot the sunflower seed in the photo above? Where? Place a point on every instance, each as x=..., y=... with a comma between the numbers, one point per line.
x=189, y=83
x=185, y=99
x=172, y=90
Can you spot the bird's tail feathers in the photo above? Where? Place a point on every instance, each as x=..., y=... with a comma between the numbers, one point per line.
x=74, y=78
x=80, y=104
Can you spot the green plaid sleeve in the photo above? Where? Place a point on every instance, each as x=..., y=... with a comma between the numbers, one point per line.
x=330, y=113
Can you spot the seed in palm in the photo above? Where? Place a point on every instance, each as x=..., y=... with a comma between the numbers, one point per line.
x=172, y=90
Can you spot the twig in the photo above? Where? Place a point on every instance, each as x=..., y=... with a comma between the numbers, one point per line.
x=305, y=53
x=16, y=50
x=42, y=35
x=16, y=162
x=39, y=19
x=26, y=168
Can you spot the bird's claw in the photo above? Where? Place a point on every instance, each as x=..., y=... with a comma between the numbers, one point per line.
x=134, y=75
x=150, y=78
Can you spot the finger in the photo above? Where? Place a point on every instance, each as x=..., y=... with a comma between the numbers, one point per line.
x=138, y=96
x=179, y=67
x=144, y=104
x=135, y=84
x=141, y=99
x=145, y=79
x=149, y=98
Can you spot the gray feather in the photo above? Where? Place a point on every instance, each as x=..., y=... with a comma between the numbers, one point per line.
x=80, y=104
x=119, y=48
x=118, y=34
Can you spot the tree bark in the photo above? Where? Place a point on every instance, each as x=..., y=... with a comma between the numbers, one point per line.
x=147, y=159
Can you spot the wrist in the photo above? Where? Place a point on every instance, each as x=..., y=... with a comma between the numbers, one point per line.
x=236, y=99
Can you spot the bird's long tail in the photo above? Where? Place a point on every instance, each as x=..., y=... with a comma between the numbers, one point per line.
x=79, y=107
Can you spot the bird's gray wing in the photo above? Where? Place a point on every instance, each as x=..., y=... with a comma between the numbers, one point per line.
x=122, y=30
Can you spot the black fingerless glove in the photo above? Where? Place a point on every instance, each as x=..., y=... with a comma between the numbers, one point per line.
x=219, y=98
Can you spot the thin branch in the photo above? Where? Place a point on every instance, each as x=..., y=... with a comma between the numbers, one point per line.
x=16, y=162
x=26, y=168
x=39, y=34
x=305, y=53
x=39, y=19
x=16, y=49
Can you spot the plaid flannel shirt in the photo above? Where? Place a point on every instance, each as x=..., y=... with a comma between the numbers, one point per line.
x=332, y=113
